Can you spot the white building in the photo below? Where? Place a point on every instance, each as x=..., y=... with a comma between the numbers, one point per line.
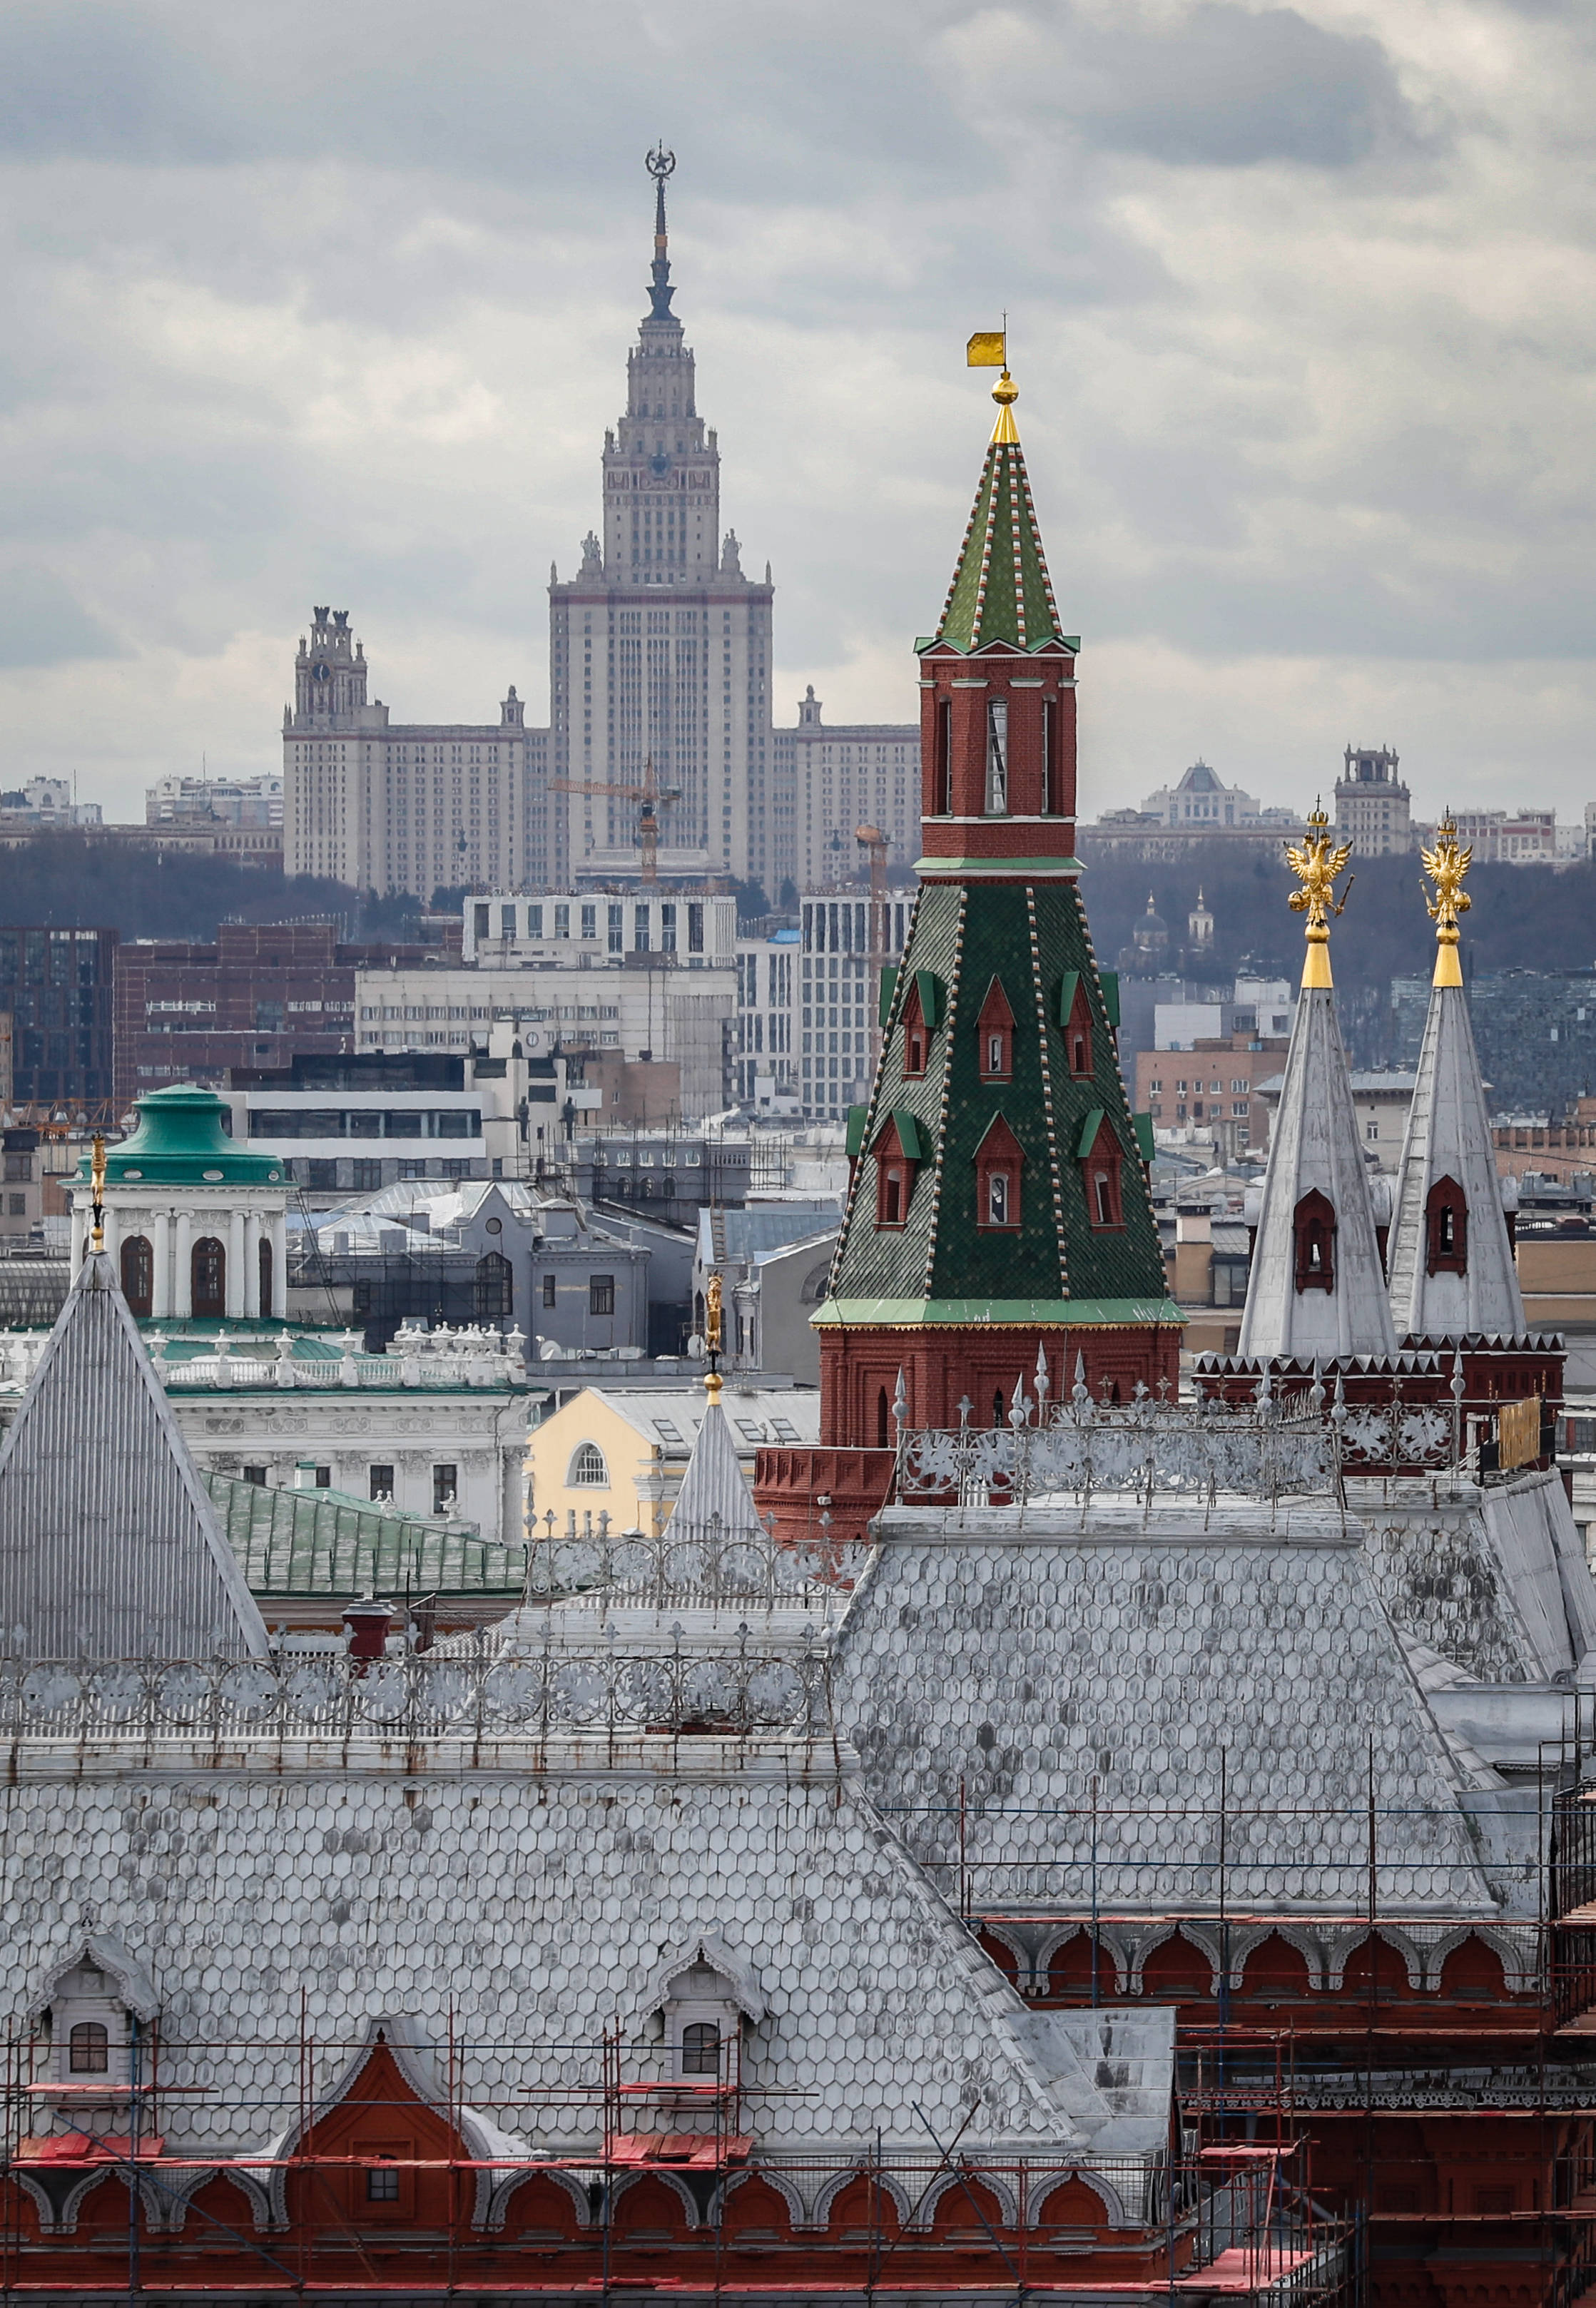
x=1201, y=798
x=44, y=803
x=1372, y=809
x=764, y=1067
x=234, y=801
x=1525, y=837
x=663, y=1014
x=584, y=929
x=845, y=941
x=830, y=782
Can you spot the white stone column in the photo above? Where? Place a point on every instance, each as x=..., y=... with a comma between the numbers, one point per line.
x=80, y=1234
x=234, y=1293
x=252, y=1264
x=280, y=1263
x=113, y=1239
x=182, y=1305
x=160, y=1243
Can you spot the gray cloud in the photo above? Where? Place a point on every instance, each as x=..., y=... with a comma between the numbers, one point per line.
x=1228, y=87
x=42, y=625
x=307, y=308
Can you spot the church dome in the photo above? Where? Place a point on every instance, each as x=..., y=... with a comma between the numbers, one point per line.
x=180, y=1142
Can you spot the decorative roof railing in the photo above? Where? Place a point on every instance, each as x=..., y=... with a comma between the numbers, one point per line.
x=463, y=1694
x=694, y=1566
x=1151, y=1447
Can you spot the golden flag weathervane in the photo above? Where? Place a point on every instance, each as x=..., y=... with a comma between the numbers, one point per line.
x=1446, y=865
x=713, y=1299
x=989, y=349
x=1319, y=863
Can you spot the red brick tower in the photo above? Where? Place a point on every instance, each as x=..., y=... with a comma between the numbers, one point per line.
x=998, y=1208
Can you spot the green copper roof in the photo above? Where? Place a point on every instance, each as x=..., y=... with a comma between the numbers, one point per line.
x=293, y=1543
x=180, y=1142
x=1001, y=590
x=941, y=1264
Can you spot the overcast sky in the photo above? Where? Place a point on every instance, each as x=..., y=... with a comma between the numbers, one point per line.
x=311, y=303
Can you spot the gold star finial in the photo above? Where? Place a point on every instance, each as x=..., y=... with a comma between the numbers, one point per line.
x=1318, y=862
x=1446, y=865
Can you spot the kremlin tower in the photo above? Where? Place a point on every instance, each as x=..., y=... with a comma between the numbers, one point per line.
x=999, y=1225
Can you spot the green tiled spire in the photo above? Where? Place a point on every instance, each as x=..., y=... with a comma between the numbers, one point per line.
x=1001, y=590
x=941, y=1265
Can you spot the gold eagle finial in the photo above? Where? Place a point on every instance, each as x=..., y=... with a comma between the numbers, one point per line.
x=1319, y=863
x=1446, y=864
x=714, y=1298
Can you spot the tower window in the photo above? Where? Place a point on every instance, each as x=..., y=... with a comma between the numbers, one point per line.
x=1312, y=1226
x=207, y=1274
x=997, y=757
x=942, y=790
x=1446, y=1228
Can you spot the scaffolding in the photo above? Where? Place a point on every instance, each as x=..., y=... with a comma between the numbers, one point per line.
x=325, y=2218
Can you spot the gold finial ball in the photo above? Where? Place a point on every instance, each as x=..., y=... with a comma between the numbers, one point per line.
x=1006, y=392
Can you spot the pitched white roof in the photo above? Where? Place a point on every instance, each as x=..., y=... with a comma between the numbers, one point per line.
x=1449, y=1136
x=108, y=1547
x=1315, y=1148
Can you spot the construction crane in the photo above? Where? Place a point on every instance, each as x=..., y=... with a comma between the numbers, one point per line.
x=651, y=798
x=873, y=842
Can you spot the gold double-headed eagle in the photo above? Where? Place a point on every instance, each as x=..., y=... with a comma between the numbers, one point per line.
x=1446, y=864
x=1319, y=863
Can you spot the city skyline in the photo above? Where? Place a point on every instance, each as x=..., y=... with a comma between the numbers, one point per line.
x=1313, y=454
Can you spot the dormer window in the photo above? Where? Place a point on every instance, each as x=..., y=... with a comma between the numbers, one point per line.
x=922, y=1014
x=899, y=1150
x=1101, y=1158
x=999, y=1166
x=1074, y=1019
x=1446, y=1228
x=702, y=1999
x=90, y=2009
x=995, y=1031
x=1313, y=1230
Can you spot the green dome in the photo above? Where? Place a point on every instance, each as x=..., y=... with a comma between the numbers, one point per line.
x=180, y=1142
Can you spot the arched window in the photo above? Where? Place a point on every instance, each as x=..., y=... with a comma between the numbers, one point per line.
x=999, y=1159
x=1446, y=1228
x=701, y=2049
x=588, y=1470
x=495, y=1292
x=138, y=1275
x=998, y=758
x=1313, y=1228
x=208, y=1277
x=88, y=2049
x=265, y=1269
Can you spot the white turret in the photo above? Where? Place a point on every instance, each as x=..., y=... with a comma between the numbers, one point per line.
x=1317, y=1289
x=1452, y=1267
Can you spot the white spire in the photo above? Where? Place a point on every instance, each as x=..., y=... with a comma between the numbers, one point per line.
x=108, y=1547
x=1316, y=1286
x=1452, y=1267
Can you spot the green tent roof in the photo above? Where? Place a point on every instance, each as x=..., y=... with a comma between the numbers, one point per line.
x=1001, y=590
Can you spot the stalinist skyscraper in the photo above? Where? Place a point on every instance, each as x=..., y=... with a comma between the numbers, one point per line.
x=659, y=649
x=660, y=646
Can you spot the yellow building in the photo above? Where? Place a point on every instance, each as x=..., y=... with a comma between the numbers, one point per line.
x=623, y=1452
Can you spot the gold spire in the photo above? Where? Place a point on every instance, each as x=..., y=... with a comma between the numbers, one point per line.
x=1446, y=864
x=97, y=1192
x=989, y=349
x=1317, y=864
x=712, y=1337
